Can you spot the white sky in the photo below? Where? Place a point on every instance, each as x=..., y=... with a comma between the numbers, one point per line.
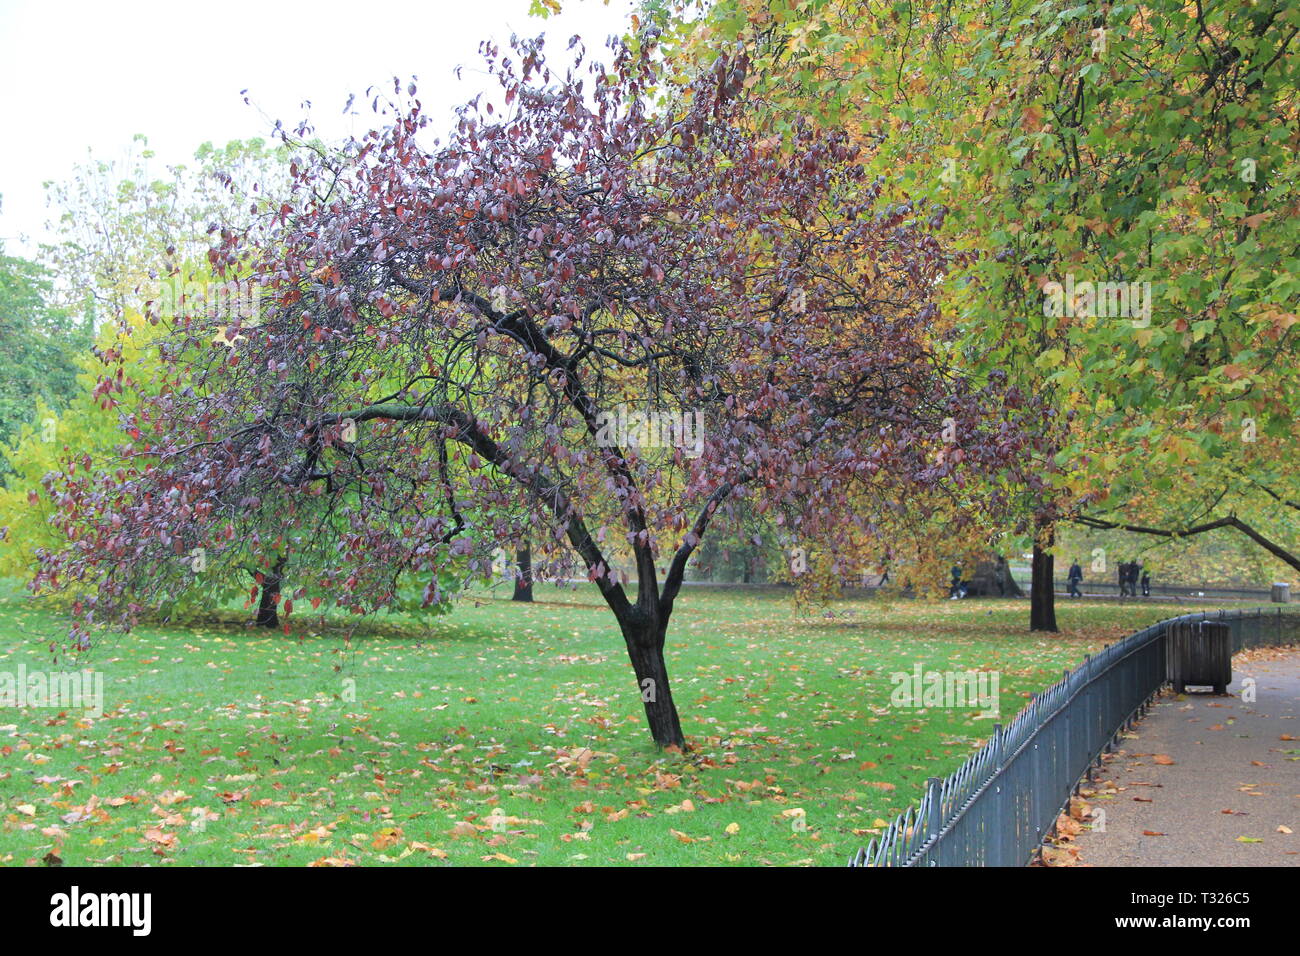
x=79, y=75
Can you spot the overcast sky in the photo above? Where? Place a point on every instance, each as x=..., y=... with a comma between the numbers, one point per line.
x=89, y=75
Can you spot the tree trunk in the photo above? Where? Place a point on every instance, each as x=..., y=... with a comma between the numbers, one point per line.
x=267, y=613
x=645, y=648
x=267, y=605
x=1042, y=590
x=993, y=579
x=1009, y=586
x=524, y=582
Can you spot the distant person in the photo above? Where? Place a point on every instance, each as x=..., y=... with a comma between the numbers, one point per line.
x=955, y=590
x=1121, y=573
x=1146, y=583
x=1132, y=579
x=1073, y=579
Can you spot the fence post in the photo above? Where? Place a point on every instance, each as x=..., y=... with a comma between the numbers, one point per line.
x=1088, y=715
x=1069, y=727
x=934, y=816
x=1001, y=813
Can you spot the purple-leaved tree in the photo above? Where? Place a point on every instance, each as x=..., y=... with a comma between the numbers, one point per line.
x=592, y=320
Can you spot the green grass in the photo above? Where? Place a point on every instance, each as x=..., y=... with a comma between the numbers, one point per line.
x=223, y=745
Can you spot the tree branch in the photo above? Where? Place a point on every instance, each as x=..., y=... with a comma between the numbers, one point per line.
x=1232, y=521
x=466, y=431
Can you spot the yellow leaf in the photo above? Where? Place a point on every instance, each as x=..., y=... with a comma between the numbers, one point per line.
x=388, y=836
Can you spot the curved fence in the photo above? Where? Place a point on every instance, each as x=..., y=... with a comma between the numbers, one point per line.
x=997, y=807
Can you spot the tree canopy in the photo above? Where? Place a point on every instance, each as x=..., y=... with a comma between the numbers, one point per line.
x=446, y=335
x=1123, y=182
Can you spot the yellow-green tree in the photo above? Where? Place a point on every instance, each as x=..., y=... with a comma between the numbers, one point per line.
x=1122, y=178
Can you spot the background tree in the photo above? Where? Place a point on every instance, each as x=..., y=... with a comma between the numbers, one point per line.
x=1143, y=144
x=38, y=345
x=48, y=438
x=124, y=225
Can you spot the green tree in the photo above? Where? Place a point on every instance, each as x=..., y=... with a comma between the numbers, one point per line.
x=37, y=345
x=1123, y=180
x=83, y=430
x=122, y=225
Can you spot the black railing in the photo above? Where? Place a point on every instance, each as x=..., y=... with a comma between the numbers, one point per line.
x=998, y=806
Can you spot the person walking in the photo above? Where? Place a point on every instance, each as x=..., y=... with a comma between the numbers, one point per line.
x=1128, y=574
x=1146, y=583
x=1073, y=579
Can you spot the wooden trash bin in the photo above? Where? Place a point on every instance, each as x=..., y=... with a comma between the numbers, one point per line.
x=1199, y=653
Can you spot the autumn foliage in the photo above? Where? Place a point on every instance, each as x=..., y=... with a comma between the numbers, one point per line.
x=445, y=328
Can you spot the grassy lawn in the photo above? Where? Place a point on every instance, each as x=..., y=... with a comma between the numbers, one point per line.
x=509, y=734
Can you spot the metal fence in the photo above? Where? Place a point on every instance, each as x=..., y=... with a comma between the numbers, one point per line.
x=1178, y=592
x=998, y=806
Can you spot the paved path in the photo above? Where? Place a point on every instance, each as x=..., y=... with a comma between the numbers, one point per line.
x=1227, y=755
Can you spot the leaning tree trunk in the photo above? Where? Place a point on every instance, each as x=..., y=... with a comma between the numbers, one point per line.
x=1042, y=589
x=524, y=582
x=267, y=605
x=1009, y=586
x=645, y=648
